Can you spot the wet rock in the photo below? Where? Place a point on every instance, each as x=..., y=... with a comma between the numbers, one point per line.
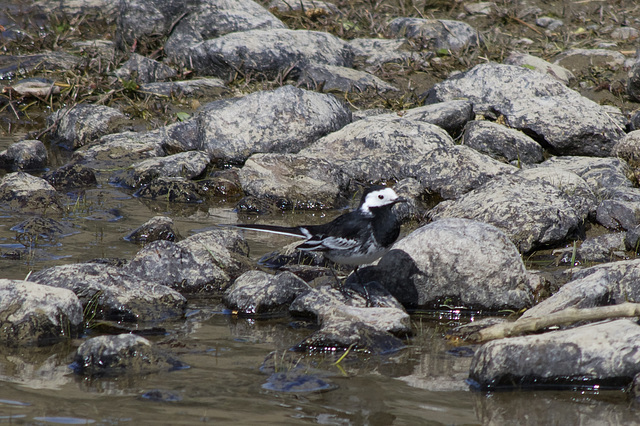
x=188, y=165
x=203, y=263
x=254, y=123
x=301, y=182
x=122, y=149
x=172, y=189
x=601, y=285
x=331, y=78
x=111, y=293
x=561, y=74
x=24, y=155
x=75, y=126
x=543, y=108
x=396, y=144
x=451, y=171
x=459, y=261
x=38, y=228
x=266, y=52
x=156, y=228
x=71, y=176
x=309, y=7
x=435, y=34
x=451, y=116
x=121, y=354
x=31, y=313
x=603, y=248
x=502, y=143
x=580, y=61
x=260, y=293
x=20, y=191
x=200, y=88
x=533, y=213
x=144, y=70
x=14, y=65
x=222, y=184
x=601, y=354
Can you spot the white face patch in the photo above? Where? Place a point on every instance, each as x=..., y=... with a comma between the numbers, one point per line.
x=379, y=198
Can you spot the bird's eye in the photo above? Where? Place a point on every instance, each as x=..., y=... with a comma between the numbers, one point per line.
x=381, y=197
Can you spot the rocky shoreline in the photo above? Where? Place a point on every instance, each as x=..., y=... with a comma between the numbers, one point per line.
x=503, y=159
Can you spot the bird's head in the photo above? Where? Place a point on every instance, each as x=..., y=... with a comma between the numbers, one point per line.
x=378, y=196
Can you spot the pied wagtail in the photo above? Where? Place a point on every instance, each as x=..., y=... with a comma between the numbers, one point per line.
x=355, y=238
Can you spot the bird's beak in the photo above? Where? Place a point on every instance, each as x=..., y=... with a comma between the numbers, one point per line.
x=401, y=200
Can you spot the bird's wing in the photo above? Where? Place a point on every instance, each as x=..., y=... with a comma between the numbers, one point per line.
x=273, y=229
x=323, y=243
x=343, y=233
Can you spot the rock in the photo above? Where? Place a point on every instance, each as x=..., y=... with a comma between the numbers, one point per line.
x=451, y=171
x=331, y=78
x=99, y=47
x=37, y=229
x=435, y=34
x=265, y=52
x=481, y=8
x=224, y=184
x=36, y=87
x=625, y=33
x=633, y=81
x=603, y=248
x=295, y=180
x=561, y=74
x=156, y=228
x=628, y=149
x=196, y=88
x=601, y=354
x=601, y=285
x=556, y=117
x=379, y=51
x=77, y=7
x=188, y=165
x=533, y=213
x=580, y=61
x=31, y=313
x=454, y=261
x=172, y=189
x=550, y=24
x=71, y=176
x=256, y=123
x=502, y=143
x=144, y=70
x=111, y=293
x=80, y=124
x=207, y=262
x=13, y=65
x=632, y=239
x=309, y=7
x=119, y=150
x=24, y=155
x=259, y=293
x=195, y=21
x=618, y=214
x=121, y=354
x=23, y=192
x=396, y=144
x=451, y=116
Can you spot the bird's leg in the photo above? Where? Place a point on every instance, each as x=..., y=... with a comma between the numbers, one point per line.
x=367, y=296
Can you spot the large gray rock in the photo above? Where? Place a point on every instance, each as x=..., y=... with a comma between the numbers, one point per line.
x=603, y=354
x=282, y=120
x=260, y=293
x=20, y=191
x=121, y=354
x=31, y=313
x=203, y=263
x=110, y=293
x=383, y=147
x=267, y=52
x=451, y=115
x=75, y=126
x=561, y=74
x=296, y=181
x=456, y=260
x=378, y=51
x=196, y=88
x=24, y=155
x=539, y=105
x=435, y=34
x=331, y=78
x=533, y=213
x=502, y=143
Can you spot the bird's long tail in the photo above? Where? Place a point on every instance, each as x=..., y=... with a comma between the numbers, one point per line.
x=273, y=229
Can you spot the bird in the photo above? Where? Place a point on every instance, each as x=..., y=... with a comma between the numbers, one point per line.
x=356, y=238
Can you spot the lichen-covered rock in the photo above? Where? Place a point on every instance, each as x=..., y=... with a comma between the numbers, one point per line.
x=71, y=176
x=188, y=165
x=331, y=78
x=31, y=313
x=282, y=120
x=156, y=228
x=80, y=124
x=451, y=115
x=435, y=34
x=111, y=293
x=502, y=143
x=458, y=261
x=24, y=155
x=24, y=192
x=121, y=354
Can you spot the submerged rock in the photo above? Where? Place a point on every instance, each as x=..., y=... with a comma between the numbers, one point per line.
x=595, y=355
x=455, y=261
x=31, y=313
x=121, y=354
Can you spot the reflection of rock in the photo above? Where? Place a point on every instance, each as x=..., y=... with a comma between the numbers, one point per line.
x=36, y=368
